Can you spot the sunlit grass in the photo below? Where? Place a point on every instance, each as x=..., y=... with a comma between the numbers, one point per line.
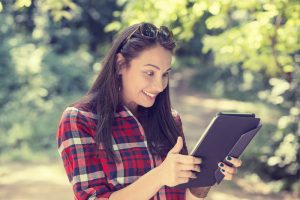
x=16, y=172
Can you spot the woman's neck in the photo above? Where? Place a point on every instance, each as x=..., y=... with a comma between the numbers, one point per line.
x=132, y=107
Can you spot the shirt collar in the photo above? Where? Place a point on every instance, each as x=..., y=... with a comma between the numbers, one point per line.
x=123, y=111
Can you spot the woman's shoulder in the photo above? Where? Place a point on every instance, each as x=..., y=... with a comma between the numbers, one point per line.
x=76, y=127
x=75, y=117
x=77, y=111
x=76, y=122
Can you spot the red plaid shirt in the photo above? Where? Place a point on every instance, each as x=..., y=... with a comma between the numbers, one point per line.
x=92, y=175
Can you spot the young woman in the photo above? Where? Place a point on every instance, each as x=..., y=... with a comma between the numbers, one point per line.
x=122, y=140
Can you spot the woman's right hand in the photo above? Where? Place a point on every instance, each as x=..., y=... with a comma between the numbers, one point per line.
x=177, y=168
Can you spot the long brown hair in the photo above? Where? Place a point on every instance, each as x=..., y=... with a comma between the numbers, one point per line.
x=160, y=127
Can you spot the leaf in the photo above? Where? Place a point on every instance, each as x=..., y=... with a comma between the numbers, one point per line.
x=288, y=68
x=22, y=3
x=1, y=6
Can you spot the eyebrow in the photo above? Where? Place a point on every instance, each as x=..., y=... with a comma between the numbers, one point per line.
x=157, y=67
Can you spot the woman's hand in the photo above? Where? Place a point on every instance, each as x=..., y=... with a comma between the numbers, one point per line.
x=176, y=168
x=201, y=192
x=227, y=170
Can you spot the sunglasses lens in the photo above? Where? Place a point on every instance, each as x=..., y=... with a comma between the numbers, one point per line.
x=165, y=34
x=148, y=30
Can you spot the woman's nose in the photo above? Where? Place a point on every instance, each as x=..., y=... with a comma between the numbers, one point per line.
x=159, y=85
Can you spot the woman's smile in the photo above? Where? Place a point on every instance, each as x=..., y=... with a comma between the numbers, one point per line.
x=149, y=95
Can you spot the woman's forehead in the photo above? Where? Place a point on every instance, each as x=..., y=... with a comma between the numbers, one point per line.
x=156, y=57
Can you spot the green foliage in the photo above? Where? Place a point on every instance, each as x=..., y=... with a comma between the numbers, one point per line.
x=43, y=69
x=267, y=43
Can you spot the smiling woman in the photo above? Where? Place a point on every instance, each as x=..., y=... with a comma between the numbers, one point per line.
x=123, y=140
x=145, y=77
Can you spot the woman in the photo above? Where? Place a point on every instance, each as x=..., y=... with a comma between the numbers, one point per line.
x=122, y=140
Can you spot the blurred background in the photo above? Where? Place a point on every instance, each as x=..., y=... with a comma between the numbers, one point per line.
x=233, y=55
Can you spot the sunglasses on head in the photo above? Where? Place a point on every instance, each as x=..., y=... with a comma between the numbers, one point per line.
x=150, y=31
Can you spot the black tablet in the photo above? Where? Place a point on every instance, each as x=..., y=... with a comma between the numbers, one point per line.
x=228, y=134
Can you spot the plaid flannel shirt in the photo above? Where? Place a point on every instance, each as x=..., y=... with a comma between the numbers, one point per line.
x=90, y=172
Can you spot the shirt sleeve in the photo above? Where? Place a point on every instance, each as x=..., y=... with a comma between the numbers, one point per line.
x=78, y=151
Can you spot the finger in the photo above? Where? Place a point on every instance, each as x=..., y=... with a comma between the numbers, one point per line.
x=192, y=167
x=187, y=159
x=227, y=176
x=186, y=174
x=178, y=146
x=182, y=180
x=236, y=162
x=228, y=169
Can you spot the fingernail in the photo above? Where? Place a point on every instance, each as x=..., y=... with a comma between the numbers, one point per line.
x=198, y=168
x=221, y=165
x=194, y=175
x=228, y=158
x=222, y=170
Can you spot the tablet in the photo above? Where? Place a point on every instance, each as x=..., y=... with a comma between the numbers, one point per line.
x=228, y=134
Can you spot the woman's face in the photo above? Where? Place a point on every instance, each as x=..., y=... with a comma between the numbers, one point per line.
x=146, y=76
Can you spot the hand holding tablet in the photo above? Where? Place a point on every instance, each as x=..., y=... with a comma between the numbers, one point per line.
x=228, y=134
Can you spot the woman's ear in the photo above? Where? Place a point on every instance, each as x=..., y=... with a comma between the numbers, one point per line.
x=120, y=63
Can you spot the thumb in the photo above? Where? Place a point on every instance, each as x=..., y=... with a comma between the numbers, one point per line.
x=178, y=146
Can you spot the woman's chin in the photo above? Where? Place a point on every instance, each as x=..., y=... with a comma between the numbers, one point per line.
x=147, y=104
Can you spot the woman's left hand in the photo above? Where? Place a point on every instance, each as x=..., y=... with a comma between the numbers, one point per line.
x=201, y=192
x=227, y=170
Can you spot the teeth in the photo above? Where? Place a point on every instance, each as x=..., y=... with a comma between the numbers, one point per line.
x=149, y=94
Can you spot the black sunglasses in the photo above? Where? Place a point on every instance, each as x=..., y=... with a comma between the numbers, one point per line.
x=150, y=31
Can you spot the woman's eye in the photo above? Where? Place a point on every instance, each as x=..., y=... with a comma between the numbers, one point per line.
x=166, y=74
x=150, y=73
